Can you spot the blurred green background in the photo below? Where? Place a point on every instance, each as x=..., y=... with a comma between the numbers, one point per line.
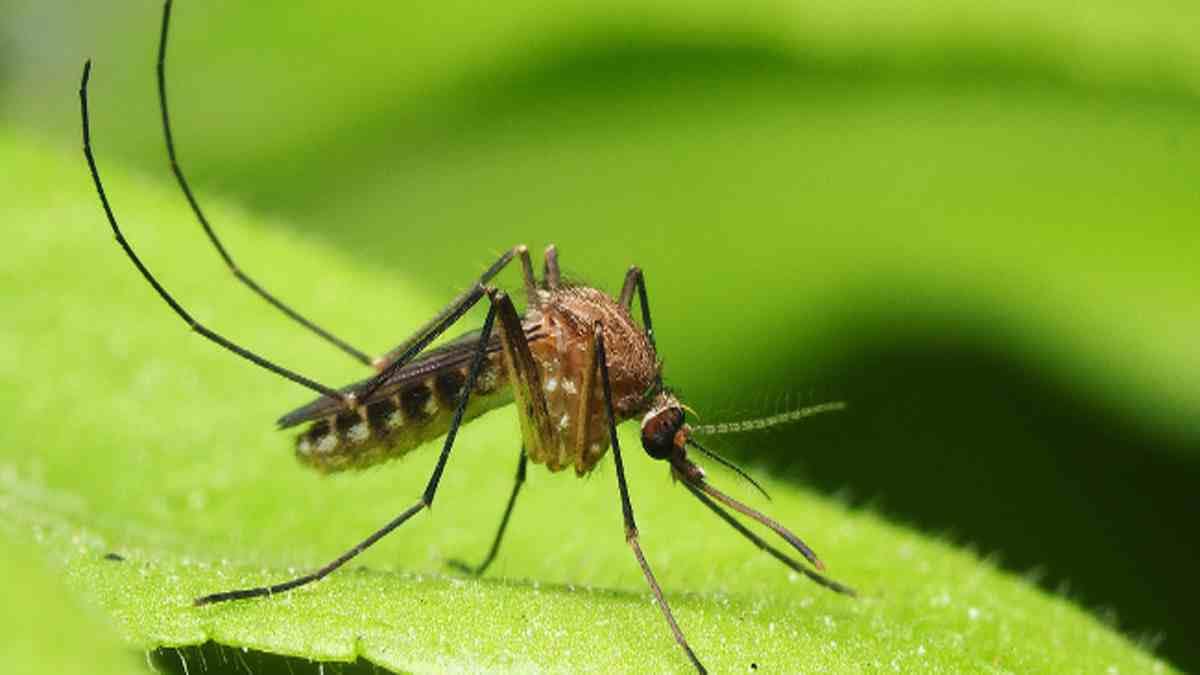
x=975, y=222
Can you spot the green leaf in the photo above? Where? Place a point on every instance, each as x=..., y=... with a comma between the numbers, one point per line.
x=974, y=221
x=145, y=441
x=48, y=627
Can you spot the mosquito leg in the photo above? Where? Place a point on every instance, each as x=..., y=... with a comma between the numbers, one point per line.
x=455, y=307
x=162, y=292
x=531, y=290
x=550, y=272
x=587, y=394
x=635, y=279
x=512, y=500
x=539, y=436
x=405, y=351
x=208, y=230
x=426, y=500
x=258, y=591
x=631, y=532
x=774, y=552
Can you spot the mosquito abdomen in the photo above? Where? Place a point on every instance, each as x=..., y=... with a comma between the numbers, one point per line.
x=393, y=425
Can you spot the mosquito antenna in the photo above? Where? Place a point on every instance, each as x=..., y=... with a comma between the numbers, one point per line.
x=760, y=423
x=774, y=552
x=760, y=517
x=729, y=465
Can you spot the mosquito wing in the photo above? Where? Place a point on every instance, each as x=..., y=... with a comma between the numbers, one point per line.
x=454, y=354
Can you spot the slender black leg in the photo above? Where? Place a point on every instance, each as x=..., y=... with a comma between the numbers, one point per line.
x=379, y=363
x=631, y=532
x=635, y=279
x=428, y=333
x=758, y=541
x=512, y=500
x=162, y=292
x=426, y=500
x=406, y=352
x=208, y=230
x=454, y=308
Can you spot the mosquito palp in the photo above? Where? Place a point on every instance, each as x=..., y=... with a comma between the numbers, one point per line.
x=575, y=364
x=759, y=542
x=729, y=465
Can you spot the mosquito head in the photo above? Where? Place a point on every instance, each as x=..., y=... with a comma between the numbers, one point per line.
x=663, y=431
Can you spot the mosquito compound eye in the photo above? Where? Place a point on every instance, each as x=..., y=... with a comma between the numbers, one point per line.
x=658, y=432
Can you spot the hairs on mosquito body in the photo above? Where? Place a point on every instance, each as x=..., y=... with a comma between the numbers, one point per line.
x=767, y=422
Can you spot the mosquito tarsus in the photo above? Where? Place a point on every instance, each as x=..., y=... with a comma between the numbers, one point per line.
x=576, y=364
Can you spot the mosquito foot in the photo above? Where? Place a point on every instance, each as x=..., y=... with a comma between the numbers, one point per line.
x=464, y=568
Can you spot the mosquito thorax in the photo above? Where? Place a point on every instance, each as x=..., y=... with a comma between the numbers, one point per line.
x=663, y=432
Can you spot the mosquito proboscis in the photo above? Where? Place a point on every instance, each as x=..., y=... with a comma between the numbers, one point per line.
x=576, y=363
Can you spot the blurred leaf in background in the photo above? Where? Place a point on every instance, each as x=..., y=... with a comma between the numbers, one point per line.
x=975, y=223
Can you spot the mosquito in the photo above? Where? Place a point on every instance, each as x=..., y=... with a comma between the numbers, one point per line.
x=575, y=363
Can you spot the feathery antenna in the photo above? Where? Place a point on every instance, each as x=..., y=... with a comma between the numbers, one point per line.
x=760, y=423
